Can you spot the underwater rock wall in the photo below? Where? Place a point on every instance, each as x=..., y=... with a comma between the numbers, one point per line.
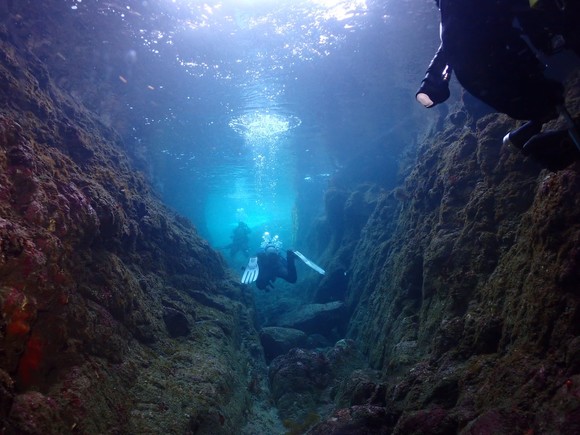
x=470, y=306
x=115, y=316
x=334, y=236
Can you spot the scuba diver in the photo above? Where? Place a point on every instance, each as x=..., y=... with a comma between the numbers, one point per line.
x=272, y=265
x=492, y=48
x=269, y=264
x=240, y=240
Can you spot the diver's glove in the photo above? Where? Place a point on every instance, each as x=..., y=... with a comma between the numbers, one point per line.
x=435, y=86
x=434, y=90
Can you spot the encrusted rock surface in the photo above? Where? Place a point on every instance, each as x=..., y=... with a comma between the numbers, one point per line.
x=277, y=340
x=463, y=290
x=315, y=318
x=115, y=316
x=471, y=310
x=306, y=383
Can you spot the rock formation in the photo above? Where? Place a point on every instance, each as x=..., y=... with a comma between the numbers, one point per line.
x=469, y=305
x=115, y=316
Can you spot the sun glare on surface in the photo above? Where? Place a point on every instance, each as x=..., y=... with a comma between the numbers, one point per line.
x=228, y=39
x=329, y=9
x=340, y=9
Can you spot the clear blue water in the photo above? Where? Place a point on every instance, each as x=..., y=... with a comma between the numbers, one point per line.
x=248, y=105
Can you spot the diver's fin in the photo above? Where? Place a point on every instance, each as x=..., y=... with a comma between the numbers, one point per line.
x=572, y=126
x=555, y=150
x=252, y=270
x=309, y=263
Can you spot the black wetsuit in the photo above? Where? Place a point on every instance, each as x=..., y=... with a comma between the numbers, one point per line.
x=241, y=241
x=491, y=61
x=272, y=266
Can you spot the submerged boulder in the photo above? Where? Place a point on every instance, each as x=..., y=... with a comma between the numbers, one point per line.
x=311, y=382
x=297, y=381
x=277, y=340
x=361, y=387
x=315, y=318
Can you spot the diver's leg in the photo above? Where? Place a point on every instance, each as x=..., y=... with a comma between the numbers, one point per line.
x=291, y=276
x=572, y=128
x=554, y=150
x=521, y=135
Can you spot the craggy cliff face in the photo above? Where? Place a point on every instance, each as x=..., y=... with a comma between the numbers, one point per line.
x=115, y=317
x=461, y=288
x=469, y=305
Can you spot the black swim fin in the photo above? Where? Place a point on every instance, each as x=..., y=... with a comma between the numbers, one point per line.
x=555, y=150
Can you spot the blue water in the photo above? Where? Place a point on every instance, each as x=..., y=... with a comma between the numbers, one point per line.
x=251, y=106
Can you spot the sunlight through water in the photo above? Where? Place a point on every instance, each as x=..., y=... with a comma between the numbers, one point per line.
x=278, y=32
x=261, y=125
x=230, y=137
x=263, y=134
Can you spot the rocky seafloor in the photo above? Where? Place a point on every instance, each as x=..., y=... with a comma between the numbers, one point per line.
x=450, y=305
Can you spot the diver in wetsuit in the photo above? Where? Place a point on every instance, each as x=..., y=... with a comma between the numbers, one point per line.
x=272, y=265
x=268, y=264
x=240, y=239
x=491, y=60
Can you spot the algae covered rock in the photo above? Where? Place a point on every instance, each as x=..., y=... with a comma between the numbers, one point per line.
x=277, y=340
x=176, y=322
x=315, y=318
x=115, y=316
x=357, y=420
x=297, y=381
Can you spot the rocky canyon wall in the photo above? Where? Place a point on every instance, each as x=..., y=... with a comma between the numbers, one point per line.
x=115, y=316
x=469, y=305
